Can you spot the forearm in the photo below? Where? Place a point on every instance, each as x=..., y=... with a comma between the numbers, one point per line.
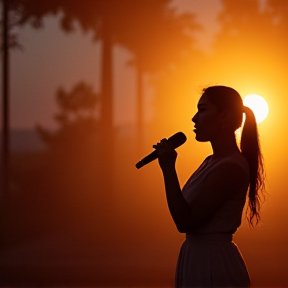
x=179, y=208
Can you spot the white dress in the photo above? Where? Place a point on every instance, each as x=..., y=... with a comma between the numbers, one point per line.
x=209, y=257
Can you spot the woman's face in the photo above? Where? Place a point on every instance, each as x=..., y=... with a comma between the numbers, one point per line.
x=207, y=120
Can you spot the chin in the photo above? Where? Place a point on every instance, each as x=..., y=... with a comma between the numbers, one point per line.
x=201, y=139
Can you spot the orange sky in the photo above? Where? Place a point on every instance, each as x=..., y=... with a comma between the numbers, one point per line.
x=51, y=59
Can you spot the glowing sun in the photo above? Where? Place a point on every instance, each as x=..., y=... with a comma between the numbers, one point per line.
x=258, y=105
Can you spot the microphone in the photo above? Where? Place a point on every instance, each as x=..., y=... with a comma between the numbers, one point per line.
x=177, y=140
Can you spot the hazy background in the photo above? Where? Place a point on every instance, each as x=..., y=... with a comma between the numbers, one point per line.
x=78, y=212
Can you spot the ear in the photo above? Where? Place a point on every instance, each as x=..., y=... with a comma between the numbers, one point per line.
x=224, y=116
x=226, y=119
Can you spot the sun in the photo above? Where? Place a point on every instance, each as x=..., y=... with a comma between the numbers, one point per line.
x=258, y=105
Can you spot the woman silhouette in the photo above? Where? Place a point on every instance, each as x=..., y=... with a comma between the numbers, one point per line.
x=209, y=207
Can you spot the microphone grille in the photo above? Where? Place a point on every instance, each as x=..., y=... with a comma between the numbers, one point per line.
x=178, y=139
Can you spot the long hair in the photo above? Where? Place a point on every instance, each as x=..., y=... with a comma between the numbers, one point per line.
x=228, y=99
x=250, y=148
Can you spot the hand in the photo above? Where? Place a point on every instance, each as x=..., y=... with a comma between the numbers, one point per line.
x=166, y=154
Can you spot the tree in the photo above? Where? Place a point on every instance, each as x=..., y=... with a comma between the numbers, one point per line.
x=277, y=11
x=78, y=121
x=73, y=168
x=5, y=96
x=242, y=46
x=240, y=26
x=162, y=47
x=157, y=40
x=9, y=40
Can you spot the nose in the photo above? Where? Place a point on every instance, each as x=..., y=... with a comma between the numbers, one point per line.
x=194, y=118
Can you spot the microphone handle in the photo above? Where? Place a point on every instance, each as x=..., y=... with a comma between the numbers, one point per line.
x=177, y=140
x=152, y=156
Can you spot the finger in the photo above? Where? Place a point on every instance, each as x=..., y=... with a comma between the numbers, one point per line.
x=167, y=144
x=164, y=145
x=158, y=145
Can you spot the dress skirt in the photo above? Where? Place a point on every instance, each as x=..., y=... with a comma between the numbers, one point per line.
x=210, y=260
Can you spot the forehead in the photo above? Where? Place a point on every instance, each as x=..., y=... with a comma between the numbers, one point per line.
x=204, y=100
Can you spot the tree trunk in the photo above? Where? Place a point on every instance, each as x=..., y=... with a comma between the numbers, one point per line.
x=107, y=131
x=140, y=106
x=5, y=96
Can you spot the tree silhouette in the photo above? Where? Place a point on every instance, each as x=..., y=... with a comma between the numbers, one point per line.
x=240, y=28
x=71, y=167
x=9, y=40
x=151, y=29
x=277, y=11
x=161, y=47
x=58, y=188
x=78, y=120
x=242, y=46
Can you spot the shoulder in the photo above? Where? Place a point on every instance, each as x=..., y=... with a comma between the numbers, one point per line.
x=228, y=171
x=235, y=162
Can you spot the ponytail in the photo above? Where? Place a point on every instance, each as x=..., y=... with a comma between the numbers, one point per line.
x=250, y=148
x=228, y=99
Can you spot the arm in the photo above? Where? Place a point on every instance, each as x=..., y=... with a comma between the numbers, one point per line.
x=178, y=207
x=219, y=186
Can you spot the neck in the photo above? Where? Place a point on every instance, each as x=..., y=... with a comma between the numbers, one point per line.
x=224, y=146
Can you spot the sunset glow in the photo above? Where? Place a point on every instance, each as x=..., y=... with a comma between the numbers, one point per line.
x=91, y=86
x=258, y=105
